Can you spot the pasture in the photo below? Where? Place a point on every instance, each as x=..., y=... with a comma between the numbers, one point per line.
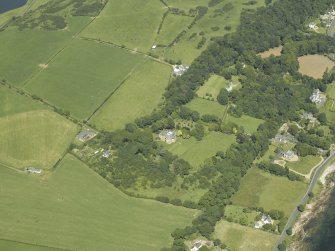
x=133, y=24
x=331, y=91
x=315, y=65
x=273, y=51
x=204, y=106
x=241, y=238
x=74, y=208
x=186, y=4
x=196, y=152
x=142, y=92
x=22, y=52
x=305, y=164
x=19, y=246
x=261, y=189
x=36, y=138
x=250, y=124
x=236, y=214
x=83, y=76
x=212, y=87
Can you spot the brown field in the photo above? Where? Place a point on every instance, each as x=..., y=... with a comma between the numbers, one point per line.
x=314, y=65
x=273, y=51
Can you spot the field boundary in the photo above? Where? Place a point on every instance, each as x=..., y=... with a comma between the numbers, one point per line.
x=37, y=245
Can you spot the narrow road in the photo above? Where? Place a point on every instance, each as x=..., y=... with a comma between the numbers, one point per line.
x=304, y=200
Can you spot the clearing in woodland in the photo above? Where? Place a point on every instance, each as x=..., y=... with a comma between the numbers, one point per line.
x=74, y=208
x=143, y=91
x=90, y=72
x=315, y=65
x=133, y=24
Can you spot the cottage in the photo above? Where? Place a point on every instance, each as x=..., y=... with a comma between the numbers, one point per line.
x=230, y=86
x=284, y=138
x=106, y=154
x=196, y=246
x=313, y=26
x=168, y=136
x=33, y=170
x=85, y=135
x=317, y=97
x=289, y=154
x=179, y=70
x=266, y=219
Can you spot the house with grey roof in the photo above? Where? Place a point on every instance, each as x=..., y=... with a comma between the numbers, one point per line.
x=168, y=136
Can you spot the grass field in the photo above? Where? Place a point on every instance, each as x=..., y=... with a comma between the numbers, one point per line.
x=240, y=238
x=76, y=209
x=130, y=23
x=22, y=52
x=36, y=138
x=260, y=189
x=172, y=26
x=186, y=4
x=331, y=91
x=18, y=246
x=304, y=164
x=249, y=124
x=138, y=96
x=83, y=76
x=204, y=106
x=236, y=214
x=195, y=152
x=212, y=86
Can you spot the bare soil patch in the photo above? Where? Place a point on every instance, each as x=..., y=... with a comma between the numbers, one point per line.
x=314, y=65
x=273, y=51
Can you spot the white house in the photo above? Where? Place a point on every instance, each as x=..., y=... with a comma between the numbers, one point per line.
x=106, y=154
x=33, y=170
x=196, y=246
x=316, y=97
x=313, y=26
x=266, y=219
x=179, y=70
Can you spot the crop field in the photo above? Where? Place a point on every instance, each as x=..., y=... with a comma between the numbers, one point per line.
x=36, y=138
x=240, y=238
x=142, y=92
x=220, y=19
x=261, y=189
x=130, y=23
x=172, y=26
x=90, y=72
x=76, y=209
x=212, y=87
x=22, y=52
x=196, y=152
x=305, y=164
x=250, y=124
x=204, y=106
x=314, y=65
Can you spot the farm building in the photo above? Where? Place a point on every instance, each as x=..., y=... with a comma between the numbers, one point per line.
x=179, y=70
x=168, y=136
x=85, y=135
x=266, y=219
x=317, y=97
x=33, y=170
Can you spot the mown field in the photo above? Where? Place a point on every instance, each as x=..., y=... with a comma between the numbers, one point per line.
x=83, y=76
x=250, y=124
x=130, y=23
x=196, y=152
x=76, y=209
x=261, y=189
x=212, y=87
x=240, y=238
x=204, y=106
x=138, y=95
x=305, y=164
x=18, y=246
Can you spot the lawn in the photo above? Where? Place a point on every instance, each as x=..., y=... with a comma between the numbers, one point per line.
x=261, y=189
x=212, y=86
x=142, y=92
x=74, y=208
x=172, y=26
x=240, y=238
x=250, y=124
x=22, y=52
x=36, y=138
x=304, y=164
x=204, y=106
x=83, y=76
x=18, y=246
x=127, y=22
x=196, y=152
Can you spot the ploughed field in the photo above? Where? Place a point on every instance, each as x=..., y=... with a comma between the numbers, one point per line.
x=315, y=65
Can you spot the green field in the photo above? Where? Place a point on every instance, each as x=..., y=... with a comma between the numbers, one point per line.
x=204, y=106
x=304, y=164
x=76, y=209
x=331, y=91
x=130, y=23
x=240, y=238
x=212, y=86
x=260, y=189
x=22, y=52
x=196, y=152
x=138, y=96
x=18, y=246
x=36, y=138
x=172, y=26
x=186, y=4
x=249, y=124
x=83, y=76
x=236, y=214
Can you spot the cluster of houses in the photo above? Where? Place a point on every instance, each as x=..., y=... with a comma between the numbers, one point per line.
x=179, y=70
x=266, y=219
x=317, y=97
x=325, y=19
